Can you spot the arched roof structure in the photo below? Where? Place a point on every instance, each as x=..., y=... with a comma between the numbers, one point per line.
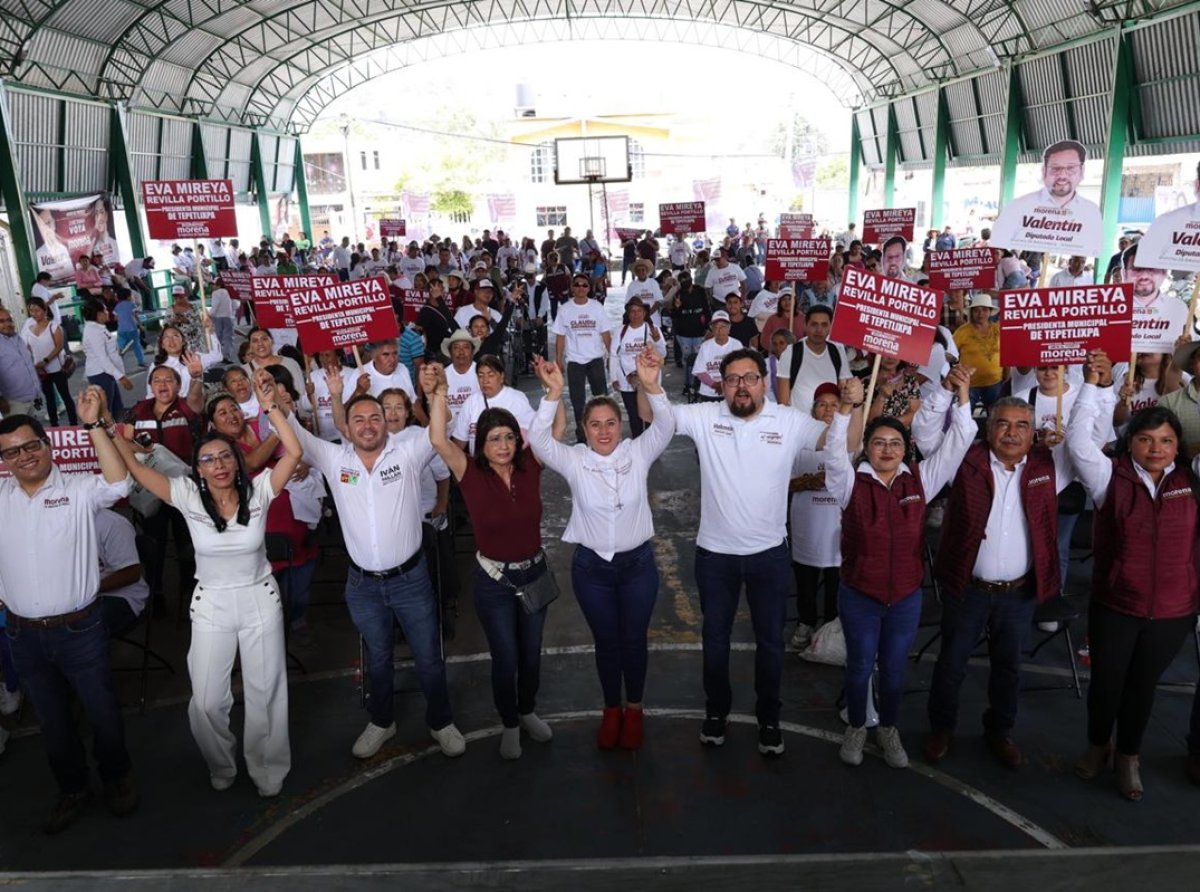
x=274, y=63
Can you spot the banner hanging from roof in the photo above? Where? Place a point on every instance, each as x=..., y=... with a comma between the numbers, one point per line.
x=64, y=231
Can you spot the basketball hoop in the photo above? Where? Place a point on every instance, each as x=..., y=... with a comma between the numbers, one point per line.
x=592, y=168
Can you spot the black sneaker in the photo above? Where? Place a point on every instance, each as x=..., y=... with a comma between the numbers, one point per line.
x=712, y=732
x=69, y=807
x=121, y=796
x=770, y=740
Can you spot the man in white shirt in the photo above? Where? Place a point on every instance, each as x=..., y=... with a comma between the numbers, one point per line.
x=55, y=627
x=341, y=259
x=584, y=339
x=41, y=288
x=375, y=481
x=811, y=361
x=124, y=590
x=1073, y=276
x=747, y=447
x=645, y=287
x=679, y=253
x=385, y=370
x=412, y=262
x=222, y=314
x=725, y=278
x=482, y=292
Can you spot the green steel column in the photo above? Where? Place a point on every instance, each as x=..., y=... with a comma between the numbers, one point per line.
x=855, y=164
x=260, y=185
x=1118, y=137
x=14, y=200
x=1012, y=138
x=941, y=148
x=892, y=150
x=302, y=190
x=199, y=159
x=118, y=148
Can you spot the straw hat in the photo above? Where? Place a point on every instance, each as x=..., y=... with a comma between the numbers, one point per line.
x=460, y=334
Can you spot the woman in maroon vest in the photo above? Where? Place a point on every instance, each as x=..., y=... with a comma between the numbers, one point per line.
x=1144, y=577
x=883, y=504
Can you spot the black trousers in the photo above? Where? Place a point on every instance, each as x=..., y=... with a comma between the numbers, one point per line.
x=808, y=582
x=1129, y=655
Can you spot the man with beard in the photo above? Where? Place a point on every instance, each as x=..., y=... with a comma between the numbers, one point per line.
x=894, y=250
x=1156, y=315
x=741, y=541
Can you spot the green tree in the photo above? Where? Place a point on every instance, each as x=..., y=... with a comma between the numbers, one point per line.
x=833, y=173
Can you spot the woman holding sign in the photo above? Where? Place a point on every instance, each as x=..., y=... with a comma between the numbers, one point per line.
x=1144, y=581
x=884, y=502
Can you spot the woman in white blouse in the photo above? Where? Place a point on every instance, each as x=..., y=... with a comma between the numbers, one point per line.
x=613, y=572
x=48, y=345
x=103, y=364
x=236, y=606
x=632, y=338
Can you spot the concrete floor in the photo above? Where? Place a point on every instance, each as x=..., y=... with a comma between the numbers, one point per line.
x=671, y=814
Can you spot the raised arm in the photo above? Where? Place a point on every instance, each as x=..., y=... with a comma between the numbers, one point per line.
x=195, y=393
x=91, y=406
x=292, y=450
x=657, y=437
x=433, y=382
x=940, y=468
x=839, y=472
x=1091, y=465
x=542, y=439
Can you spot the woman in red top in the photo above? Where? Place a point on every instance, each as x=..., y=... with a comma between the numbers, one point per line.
x=784, y=319
x=502, y=488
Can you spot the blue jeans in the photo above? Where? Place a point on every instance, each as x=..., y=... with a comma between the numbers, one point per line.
x=689, y=347
x=222, y=329
x=52, y=664
x=112, y=392
x=514, y=639
x=12, y=681
x=617, y=599
x=767, y=578
x=874, y=631
x=131, y=337
x=985, y=396
x=1008, y=618
x=374, y=604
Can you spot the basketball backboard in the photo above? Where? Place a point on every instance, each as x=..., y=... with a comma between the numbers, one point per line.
x=592, y=159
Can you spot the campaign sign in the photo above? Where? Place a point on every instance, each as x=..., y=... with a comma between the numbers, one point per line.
x=1159, y=323
x=332, y=315
x=1173, y=241
x=881, y=225
x=798, y=260
x=962, y=269
x=792, y=225
x=189, y=209
x=411, y=301
x=71, y=448
x=238, y=283
x=393, y=228
x=272, y=307
x=1059, y=326
x=681, y=217
x=625, y=234
x=891, y=317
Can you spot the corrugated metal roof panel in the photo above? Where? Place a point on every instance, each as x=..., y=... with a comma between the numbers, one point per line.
x=1164, y=62
x=239, y=172
x=175, y=168
x=192, y=48
x=871, y=152
x=104, y=22
x=141, y=132
x=85, y=170
x=165, y=77
x=909, y=131
x=964, y=118
x=61, y=51
x=176, y=137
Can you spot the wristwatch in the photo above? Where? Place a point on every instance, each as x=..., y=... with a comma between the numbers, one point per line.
x=92, y=425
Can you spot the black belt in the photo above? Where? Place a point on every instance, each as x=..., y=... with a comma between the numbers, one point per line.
x=51, y=622
x=393, y=571
x=999, y=588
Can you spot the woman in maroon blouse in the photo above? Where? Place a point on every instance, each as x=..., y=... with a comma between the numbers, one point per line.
x=502, y=486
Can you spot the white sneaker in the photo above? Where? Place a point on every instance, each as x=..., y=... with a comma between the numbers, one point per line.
x=510, y=743
x=536, y=728
x=270, y=792
x=802, y=637
x=888, y=739
x=221, y=784
x=852, y=746
x=10, y=701
x=371, y=739
x=3, y=739
x=1048, y=627
x=450, y=739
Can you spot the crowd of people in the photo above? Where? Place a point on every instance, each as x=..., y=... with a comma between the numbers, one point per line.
x=806, y=490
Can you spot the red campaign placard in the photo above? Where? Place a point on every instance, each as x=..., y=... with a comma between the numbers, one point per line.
x=624, y=233
x=272, y=306
x=962, y=269
x=393, y=228
x=189, y=209
x=681, y=218
x=238, y=283
x=892, y=317
x=798, y=260
x=71, y=448
x=333, y=315
x=881, y=225
x=1058, y=326
x=794, y=225
x=411, y=299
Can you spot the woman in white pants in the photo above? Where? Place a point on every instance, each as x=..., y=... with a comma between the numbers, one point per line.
x=235, y=607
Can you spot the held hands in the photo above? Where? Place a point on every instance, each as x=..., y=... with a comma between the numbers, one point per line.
x=433, y=379
x=90, y=404
x=851, y=395
x=264, y=388
x=1098, y=369
x=363, y=385
x=960, y=379
x=648, y=365
x=550, y=375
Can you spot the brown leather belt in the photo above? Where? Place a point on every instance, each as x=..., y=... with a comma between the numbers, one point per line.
x=1000, y=588
x=51, y=622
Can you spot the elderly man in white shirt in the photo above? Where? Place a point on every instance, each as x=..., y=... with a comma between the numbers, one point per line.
x=1075, y=275
x=375, y=481
x=55, y=627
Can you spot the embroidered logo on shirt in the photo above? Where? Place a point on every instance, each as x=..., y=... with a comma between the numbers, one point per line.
x=1045, y=478
x=348, y=476
x=1177, y=493
x=913, y=498
x=393, y=474
x=722, y=430
x=64, y=501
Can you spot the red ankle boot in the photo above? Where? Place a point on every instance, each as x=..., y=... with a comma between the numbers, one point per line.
x=631, y=729
x=610, y=728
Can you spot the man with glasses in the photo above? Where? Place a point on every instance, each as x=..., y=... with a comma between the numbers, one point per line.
x=55, y=625
x=1056, y=218
x=584, y=340
x=19, y=385
x=747, y=448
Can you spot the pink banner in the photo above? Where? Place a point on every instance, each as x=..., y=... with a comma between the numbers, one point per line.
x=502, y=207
x=709, y=191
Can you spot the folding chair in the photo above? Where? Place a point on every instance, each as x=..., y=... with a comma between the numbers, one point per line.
x=279, y=549
x=1063, y=611
x=144, y=622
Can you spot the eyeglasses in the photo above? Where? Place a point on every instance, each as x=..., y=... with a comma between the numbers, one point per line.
x=886, y=444
x=216, y=458
x=29, y=448
x=750, y=379
x=1059, y=169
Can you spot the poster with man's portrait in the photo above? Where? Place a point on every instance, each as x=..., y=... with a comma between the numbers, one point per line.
x=1056, y=219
